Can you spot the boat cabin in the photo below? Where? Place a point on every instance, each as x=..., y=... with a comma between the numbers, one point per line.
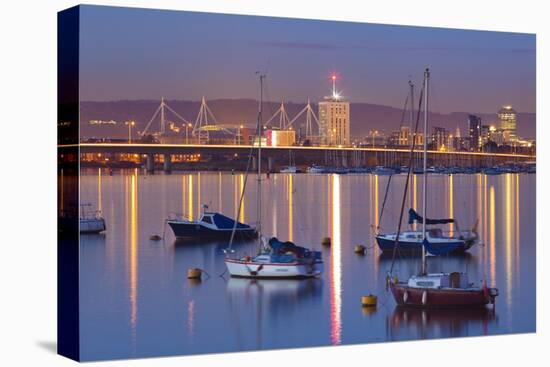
x=440, y=280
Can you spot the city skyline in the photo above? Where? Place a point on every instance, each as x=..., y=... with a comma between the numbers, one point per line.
x=156, y=57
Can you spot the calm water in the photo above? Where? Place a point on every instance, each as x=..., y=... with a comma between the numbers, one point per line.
x=136, y=300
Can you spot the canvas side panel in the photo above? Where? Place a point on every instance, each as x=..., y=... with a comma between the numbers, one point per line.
x=68, y=343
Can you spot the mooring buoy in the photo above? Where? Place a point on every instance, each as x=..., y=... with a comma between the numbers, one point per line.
x=369, y=300
x=194, y=273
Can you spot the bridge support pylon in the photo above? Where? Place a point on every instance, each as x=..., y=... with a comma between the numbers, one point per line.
x=167, y=163
x=150, y=163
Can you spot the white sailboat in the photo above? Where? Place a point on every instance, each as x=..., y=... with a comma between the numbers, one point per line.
x=275, y=259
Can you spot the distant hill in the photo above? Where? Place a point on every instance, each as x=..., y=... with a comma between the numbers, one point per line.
x=364, y=116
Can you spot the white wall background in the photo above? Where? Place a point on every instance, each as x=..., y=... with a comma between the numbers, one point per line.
x=28, y=218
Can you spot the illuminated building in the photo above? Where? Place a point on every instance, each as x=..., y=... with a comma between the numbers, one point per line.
x=474, y=130
x=280, y=138
x=334, y=119
x=508, y=123
x=440, y=138
x=485, y=134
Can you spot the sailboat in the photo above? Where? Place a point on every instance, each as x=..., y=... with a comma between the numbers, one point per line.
x=276, y=259
x=437, y=290
x=439, y=243
x=291, y=168
x=411, y=242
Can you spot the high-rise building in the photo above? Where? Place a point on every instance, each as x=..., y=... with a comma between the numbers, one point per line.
x=508, y=122
x=440, y=138
x=334, y=118
x=474, y=131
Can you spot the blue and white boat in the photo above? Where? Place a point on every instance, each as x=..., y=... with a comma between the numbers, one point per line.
x=437, y=242
x=211, y=225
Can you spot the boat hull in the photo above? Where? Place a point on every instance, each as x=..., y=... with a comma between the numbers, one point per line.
x=198, y=231
x=258, y=270
x=440, y=298
x=92, y=226
x=410, y=247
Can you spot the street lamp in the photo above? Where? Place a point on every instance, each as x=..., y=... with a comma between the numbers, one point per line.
x=130, y=125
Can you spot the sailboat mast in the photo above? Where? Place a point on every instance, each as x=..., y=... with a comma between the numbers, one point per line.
x=425, y=178
x=259, y=215
x=411, y=135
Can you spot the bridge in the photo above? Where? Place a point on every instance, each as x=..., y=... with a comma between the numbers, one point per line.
x=302, y=155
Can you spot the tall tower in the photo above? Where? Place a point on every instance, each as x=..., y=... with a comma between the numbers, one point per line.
x=474, y=132
x=334, y=121
x=508, y=123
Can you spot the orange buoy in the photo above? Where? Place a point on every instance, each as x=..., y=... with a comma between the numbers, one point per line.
x=194, y=273
x=369, y=300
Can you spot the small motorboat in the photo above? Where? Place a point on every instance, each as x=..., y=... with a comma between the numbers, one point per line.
x=90, y=220
x=281, y=260
x=210, y=225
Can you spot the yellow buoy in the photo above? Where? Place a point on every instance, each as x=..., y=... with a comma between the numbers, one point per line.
x=360, y=249
x=326, y=241
x=369, y=300
x=194, y=273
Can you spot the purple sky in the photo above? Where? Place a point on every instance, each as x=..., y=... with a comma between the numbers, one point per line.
x=145, y=54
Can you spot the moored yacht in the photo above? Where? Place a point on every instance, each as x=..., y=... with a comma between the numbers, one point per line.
x=435, y=290
x=438, y=242
x=278, y=260
x=275, y=259
x=441, y=290
x=90, y=221
x=210, y=225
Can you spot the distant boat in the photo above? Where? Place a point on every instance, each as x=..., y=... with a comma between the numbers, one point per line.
x=316, y=169
x=90, y=221
x=492, y=171
x=290, y=169
x=210, y=225
x=383, y=171
x=340, y=170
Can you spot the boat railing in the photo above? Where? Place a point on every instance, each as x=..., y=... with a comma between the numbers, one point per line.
x=179, y=216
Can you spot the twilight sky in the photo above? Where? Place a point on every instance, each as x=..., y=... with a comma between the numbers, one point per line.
x=145, y=54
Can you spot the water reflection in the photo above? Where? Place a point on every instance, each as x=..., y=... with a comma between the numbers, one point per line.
x=134, y=253
x=269, y=307
x=407, y=323
x=136, y=290
x=336, y=264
